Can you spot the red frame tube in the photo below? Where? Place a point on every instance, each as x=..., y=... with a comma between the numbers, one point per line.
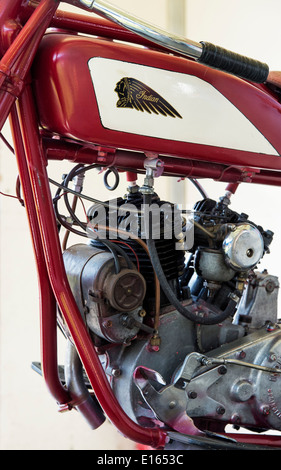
x=32, y=161
x=264, y=440
x=134, y=161
x=43, y=210
x=16, y=62
x=47, y=300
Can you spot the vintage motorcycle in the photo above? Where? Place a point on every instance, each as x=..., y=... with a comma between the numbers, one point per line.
x=172, y=333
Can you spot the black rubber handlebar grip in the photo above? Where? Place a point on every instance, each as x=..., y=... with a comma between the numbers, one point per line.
x=233, y=63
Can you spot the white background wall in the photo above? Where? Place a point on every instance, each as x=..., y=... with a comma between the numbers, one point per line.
x=28, y=414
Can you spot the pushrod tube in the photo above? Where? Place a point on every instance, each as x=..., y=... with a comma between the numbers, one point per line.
x=36, y=163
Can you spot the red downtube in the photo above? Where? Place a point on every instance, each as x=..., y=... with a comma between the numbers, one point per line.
x=47, y=299
x=53, y=256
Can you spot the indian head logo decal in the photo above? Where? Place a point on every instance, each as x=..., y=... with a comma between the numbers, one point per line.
x=134, y=94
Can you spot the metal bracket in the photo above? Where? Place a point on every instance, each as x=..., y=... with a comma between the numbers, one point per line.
x=154, y=168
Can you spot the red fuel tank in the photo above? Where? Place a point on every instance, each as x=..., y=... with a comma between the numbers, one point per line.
x=125, y=96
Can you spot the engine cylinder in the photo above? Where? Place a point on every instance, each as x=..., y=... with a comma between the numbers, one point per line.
x=172, y=260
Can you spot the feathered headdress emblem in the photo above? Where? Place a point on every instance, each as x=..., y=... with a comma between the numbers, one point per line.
x=134, y=94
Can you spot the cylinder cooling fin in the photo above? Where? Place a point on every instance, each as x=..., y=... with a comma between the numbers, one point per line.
x=172, y=260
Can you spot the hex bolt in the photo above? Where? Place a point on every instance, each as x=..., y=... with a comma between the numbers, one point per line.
x=265, y=410
x=250, y=253
x=241, y=354
x=235, y=419
x=205, y=361
x=269, y=287
x=272, y=357
x=142, y=313
x=116, y=372
x=222, y=370
x=172, y=404
x=220, y=410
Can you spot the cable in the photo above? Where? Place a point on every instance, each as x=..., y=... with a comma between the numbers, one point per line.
x=18, y=196
x=124, y=254
x=67, y=233
x=199, y=187
x=97, y=201
x=66, y=180
x=156, y=280
x=186, y=312
x=3, y=138
x=62, y=222
x=116, y=182
x=113, y=250
x=8, y=195
x=88, y=198
x=138, y=240
x=108, y=244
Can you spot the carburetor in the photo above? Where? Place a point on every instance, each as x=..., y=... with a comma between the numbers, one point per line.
x=227, y=243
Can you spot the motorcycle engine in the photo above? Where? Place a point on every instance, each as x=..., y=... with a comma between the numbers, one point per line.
x=166, y=367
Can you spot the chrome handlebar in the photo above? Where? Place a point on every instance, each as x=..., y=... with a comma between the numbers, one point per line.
x=140, y=27
x=204, y=52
